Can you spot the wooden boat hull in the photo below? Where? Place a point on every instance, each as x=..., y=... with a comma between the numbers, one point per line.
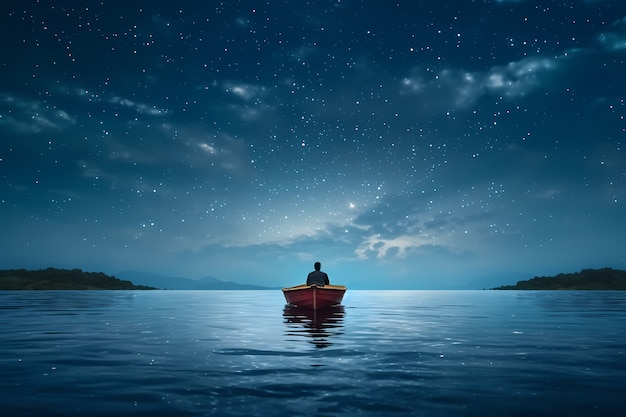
x=314, y=297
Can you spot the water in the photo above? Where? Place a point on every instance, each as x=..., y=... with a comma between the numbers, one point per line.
x=241, y=353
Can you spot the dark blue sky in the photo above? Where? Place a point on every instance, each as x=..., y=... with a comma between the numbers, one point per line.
x=404, y=144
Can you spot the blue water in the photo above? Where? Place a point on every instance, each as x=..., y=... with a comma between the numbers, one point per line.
x=241, y=353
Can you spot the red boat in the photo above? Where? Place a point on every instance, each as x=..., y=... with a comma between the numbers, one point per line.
x=314, y=297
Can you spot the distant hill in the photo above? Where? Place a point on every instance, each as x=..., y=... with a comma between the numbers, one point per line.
x=587, y=279
x=62, y=279
x=180, y=283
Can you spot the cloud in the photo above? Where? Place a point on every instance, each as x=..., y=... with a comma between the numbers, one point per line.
x=518, y=78
x=223, y=151
x=455, y=88
x=25, y=116
x=615, y=39
x=141, y=108
x=245, y=91
x=459, y=89
x=399, y=246
x=251, y=103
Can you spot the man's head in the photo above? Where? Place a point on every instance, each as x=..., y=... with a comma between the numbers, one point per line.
x=317, y=266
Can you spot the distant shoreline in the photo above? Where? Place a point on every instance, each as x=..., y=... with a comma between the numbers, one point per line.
x=63, y=279
x=587, y=279
x=76, y=279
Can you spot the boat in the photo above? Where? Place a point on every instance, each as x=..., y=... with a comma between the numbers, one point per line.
x=313, y=296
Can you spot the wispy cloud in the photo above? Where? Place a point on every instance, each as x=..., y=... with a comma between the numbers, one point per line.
x=141, y=108
x=26, y=116
x=251, y=102
x=245, y=91
x=455, y=88
x=615, y=38
x=399, y=246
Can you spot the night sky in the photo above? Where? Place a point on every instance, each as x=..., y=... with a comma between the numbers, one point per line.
x=404, y=144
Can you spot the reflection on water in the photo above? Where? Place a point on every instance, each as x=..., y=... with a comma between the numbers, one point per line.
x=232, y=353
x=320, y=326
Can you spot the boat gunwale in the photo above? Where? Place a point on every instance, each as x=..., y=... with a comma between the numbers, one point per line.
x=319, y=287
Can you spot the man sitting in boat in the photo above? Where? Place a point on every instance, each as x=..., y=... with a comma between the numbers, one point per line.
x=317, y=277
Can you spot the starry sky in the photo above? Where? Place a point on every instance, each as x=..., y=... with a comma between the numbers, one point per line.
x=404, y=144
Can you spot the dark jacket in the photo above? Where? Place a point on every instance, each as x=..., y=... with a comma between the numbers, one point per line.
x=317, y=277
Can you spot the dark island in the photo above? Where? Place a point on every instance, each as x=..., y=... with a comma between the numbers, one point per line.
x=62, y=279
x=587, y=279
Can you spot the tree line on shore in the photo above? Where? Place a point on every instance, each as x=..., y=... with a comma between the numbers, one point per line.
x=76, y=279
x=63, y=279
x=587, y=279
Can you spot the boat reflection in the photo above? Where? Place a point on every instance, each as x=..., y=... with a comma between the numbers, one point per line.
x=317, y=325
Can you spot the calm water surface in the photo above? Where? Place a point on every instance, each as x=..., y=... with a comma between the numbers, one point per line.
x=236, y=353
